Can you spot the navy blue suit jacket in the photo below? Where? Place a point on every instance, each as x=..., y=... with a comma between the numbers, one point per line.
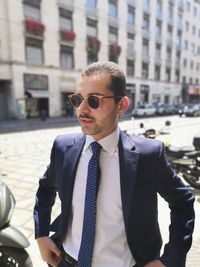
x=144, y=172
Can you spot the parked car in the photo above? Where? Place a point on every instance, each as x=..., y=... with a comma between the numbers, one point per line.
x=144, y=110
x=182, y=108
x=194, y=110
x=166, y=109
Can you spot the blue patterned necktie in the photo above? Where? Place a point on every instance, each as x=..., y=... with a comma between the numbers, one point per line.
x=89, y=220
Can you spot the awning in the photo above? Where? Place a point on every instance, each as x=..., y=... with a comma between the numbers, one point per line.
x=37, y=93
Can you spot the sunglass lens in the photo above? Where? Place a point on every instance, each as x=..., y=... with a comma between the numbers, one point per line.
x=76, y=100
x=93, y=101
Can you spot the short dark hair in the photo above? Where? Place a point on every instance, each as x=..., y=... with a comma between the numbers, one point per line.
x=117, y=78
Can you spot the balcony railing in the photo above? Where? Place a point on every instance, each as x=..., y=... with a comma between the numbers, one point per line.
x=34, y=27
x=66, y=4
x=146, y=33
x=67, y=35
x=113, y=21
x=130, y=54
x=131, y=28
x=91, y=13
x=131, y=3
x=145, y=57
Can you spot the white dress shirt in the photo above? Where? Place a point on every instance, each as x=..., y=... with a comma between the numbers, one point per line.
x=111, y=247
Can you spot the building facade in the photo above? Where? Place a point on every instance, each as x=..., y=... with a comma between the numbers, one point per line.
x=44, y=46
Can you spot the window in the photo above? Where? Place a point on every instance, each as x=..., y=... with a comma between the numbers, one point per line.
x=66, y=57
x=193, y=30
x=187, y=26
x=186, y=45
x=198, y=66
x=177, y=74
x=169, y=33
x=34, y=51
x=197, y=81
x=32, y=12
x=146, y=5
x=190, y=80
x=191, y=64
x=158, y=29
x=91, y=4
x=91, y=28
x=145, y=48
x=113, y=35
x=184, y=80
x=112, y=9
x=168, y=75
x=192, y=48
x=145, y=25
x=169, y=54
x=130, y=68
x=194, y=11
x=158, y=51
x=157, y=73
x=170, y=15
x=145, y=71
x=65, y=19
x=159, y=8
x=131, y=16
x=178, y=40
x=130, y=46
x=188, y=6
x=185, y=63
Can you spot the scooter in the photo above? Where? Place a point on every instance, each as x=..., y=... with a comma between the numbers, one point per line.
x=12, y=241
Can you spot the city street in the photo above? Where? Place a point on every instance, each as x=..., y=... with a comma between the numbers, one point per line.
x=25, y=155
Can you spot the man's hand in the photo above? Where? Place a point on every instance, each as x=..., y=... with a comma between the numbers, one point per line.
x=49, y=251
x=156, y=263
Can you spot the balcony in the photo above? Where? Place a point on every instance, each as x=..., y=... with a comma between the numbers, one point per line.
x=113, y=21
x=159, y=16
x=178, y=64
x=131, y=3
x=91, y=13
x=158, y=39
x=34, y=27
x=168, y=62
x=66, y=4
x=131, y=28
x=67, y=36
x=180, y=26
x=130, y=54
x=169, y=42
x=145, y=57
x=157, y=60
x=147, y=10
x=93, y=45
x=145, y=33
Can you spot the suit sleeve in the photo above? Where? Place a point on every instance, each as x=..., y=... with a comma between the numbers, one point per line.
x=180, y=201
x=45, y=198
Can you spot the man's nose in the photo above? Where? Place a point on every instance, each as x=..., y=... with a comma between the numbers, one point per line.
x=84, y=105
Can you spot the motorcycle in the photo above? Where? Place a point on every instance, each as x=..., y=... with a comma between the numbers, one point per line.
x=12, y=241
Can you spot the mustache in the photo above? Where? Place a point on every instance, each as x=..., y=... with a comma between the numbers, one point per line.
x=85, y=116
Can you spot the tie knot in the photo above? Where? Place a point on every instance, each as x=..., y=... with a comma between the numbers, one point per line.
x=96, y=147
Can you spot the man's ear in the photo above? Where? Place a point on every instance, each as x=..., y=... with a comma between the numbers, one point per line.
x=123, y=105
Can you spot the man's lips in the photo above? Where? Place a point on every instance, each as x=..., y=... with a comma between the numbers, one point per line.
x=86, y=119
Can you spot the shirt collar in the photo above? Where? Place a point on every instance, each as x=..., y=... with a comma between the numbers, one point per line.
x=109, y=143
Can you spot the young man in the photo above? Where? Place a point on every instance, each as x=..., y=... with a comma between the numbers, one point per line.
x=132, y=171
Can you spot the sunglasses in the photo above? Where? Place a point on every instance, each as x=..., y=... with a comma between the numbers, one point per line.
x=94, y=101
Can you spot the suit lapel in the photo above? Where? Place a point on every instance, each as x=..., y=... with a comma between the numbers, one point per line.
x=128, y=169
x=72, y=155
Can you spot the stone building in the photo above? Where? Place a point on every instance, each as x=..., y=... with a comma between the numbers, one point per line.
x=45, y=44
